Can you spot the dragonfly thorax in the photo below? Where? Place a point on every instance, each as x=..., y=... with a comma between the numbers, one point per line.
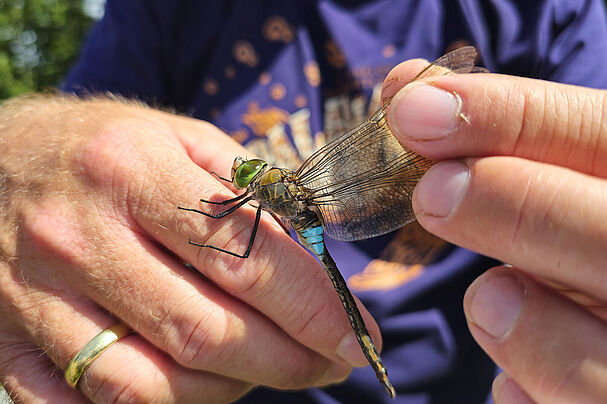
x=275, y=191
x=273, y=188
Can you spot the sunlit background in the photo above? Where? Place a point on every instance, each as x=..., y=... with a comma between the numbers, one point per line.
x=40, y=39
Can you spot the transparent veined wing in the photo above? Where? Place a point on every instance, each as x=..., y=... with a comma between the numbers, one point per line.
x=362, y=182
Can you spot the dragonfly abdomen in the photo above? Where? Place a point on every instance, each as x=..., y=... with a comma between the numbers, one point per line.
x=310, y=233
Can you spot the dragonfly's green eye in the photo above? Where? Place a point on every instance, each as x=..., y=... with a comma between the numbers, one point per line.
x=246, y=171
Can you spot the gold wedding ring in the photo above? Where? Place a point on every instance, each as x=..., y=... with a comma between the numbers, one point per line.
x=95, y=347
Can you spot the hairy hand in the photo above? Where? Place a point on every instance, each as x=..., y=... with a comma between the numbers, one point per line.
x=90, y=232
x=524, y=183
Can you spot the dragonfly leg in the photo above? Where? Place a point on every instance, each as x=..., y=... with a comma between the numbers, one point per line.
x=222, y=214
x=227, y=201
x=220, y=177
x=251, y=240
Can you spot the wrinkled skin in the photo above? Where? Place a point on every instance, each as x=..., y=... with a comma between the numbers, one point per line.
x=91, y=232
x=524, y=183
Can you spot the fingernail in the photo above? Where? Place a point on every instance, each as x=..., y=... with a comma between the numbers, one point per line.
x=349, y=350
x=442, y=188
x=423, y=112
x=496, y=304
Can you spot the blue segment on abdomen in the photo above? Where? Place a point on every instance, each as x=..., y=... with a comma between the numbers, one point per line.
x=318, y=249
x=313, y=239
x=312, y=231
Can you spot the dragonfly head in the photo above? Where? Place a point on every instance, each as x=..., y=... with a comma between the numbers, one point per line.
x=245, y=171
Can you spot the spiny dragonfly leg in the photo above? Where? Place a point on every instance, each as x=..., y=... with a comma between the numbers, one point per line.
x=225, y=212
x=251, y=240
x=220, y=177
x=227, y=201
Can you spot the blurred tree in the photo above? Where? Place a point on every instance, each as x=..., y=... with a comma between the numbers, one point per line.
x=39, y=40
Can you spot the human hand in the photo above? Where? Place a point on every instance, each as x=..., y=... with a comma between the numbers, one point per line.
x=524, y=183
x=91, y=232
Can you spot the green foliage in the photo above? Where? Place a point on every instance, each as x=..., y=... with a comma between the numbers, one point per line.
x=39, y=41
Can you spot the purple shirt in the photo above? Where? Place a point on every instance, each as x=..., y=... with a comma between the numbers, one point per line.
x=283, y=76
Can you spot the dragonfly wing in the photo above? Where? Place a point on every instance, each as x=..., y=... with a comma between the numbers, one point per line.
x=362, y=188
x=362, y=182
x=460, y=61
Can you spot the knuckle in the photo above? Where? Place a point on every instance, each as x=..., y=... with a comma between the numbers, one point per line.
x=541, y=201
x=197, y=334
x=121, y=160
x=109, y=150
x=521, y=103
x=309, y=321
x=51, y=226
x=523, y=116
x=121, y=151
x=520, y=219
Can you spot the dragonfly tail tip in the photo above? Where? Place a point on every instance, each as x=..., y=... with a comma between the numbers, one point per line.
x=390, y=390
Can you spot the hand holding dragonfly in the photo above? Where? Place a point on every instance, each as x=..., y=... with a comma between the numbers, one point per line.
x=525, y=183
x=90, y=234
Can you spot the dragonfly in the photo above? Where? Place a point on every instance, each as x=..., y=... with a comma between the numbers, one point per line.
x=357, y=186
